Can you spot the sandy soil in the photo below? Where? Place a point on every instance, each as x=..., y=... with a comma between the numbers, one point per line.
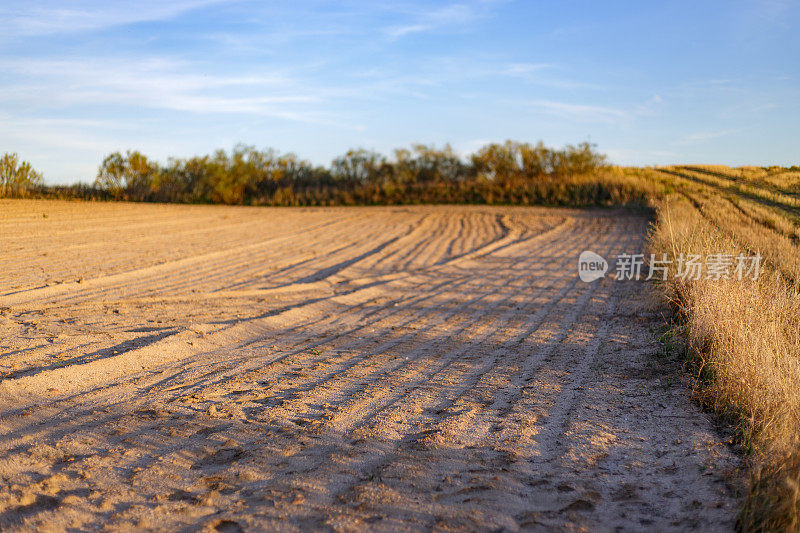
x=169, y=367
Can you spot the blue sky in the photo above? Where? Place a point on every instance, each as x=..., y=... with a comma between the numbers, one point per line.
x=648, y=82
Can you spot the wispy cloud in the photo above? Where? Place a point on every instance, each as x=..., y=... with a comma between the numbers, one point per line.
x=461, y=74
x=544, y=74
x=584, y=112
x=524, y=69
x=158, y=83
x=77, y=134
x=448, y=17
x=650, y=107
x=399, y=31
x=761, y=15
x=41, y=18
x=581, y=112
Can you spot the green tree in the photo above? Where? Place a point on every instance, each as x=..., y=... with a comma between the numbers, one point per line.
x=111, y=174
x=17, y=178
x=140, y=176
x=358, y=166
x=132, y=175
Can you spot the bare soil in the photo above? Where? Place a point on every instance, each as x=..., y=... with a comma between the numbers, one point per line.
x=229, y=368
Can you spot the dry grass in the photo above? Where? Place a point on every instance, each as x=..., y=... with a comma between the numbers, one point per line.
x=744, y=334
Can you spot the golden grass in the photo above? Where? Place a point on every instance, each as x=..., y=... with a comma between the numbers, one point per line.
x=745, y=335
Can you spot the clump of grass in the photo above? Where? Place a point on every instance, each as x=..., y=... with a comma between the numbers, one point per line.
x=774, y=496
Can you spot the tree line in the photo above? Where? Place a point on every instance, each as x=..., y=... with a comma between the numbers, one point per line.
x=508, y=173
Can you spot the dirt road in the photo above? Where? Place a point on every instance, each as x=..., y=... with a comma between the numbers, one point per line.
x=442, y=368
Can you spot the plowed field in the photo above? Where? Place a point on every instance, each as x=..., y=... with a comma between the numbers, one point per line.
x=169, y=367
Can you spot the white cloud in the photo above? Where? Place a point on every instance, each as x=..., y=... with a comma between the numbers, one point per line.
x=582, y=112
x=524, y=69
x=77, y=134
x=400, y=31
x=156, y=83
x=42, y=18
x=427, y=20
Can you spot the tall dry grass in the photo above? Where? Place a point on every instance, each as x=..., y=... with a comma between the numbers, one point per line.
x=745, y=336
